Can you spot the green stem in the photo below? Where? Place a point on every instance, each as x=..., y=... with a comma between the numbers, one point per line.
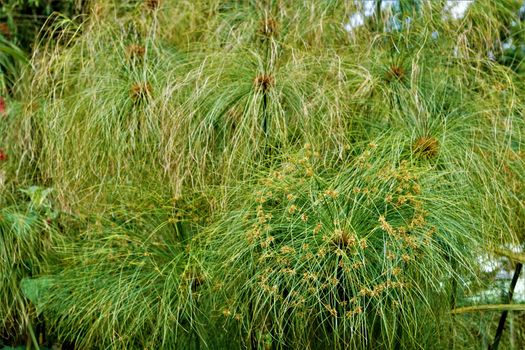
x=378, y=14
x=32, y=334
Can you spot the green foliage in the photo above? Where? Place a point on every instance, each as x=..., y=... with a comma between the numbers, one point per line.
x=252, y=175
x=12, y=60
x=27, y=236
x=362, y=255
x=118, y=289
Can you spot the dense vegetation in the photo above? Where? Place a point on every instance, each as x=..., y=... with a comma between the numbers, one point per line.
x=250, y=174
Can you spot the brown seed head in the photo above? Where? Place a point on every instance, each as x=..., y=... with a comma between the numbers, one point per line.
x=152, y=4
x=140, y=91
x=395, y=73
x=426, y=146
x=268, y=27
x=135, y=51
x=263, y=82
x=344, y=239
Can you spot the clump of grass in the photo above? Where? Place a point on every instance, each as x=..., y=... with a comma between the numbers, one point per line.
x=128, y=298
x=127, y=281
x=367, y=255
x=185, y=135
x=362, y=238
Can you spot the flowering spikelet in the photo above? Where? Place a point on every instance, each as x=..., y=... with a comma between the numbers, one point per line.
x=385, y=226
x=287, y=250
x=426, y=146
x=406, y=257
x=263, y=82
x=331, y=193
x=331, y=310
x=353, y=312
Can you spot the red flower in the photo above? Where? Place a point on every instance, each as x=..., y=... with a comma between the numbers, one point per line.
x=2, y=105
x=3, y=155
